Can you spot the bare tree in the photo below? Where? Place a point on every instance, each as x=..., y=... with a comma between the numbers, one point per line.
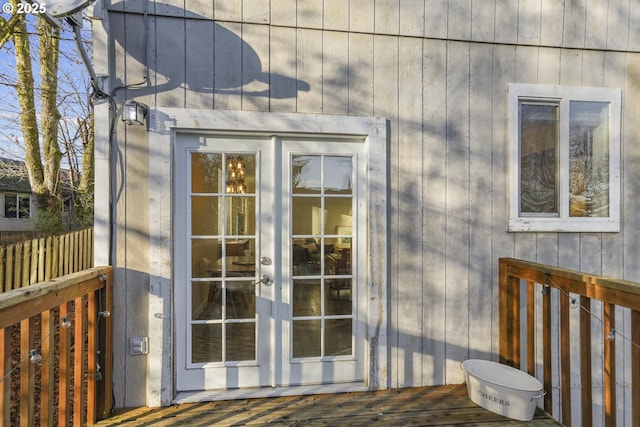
x=51, y=122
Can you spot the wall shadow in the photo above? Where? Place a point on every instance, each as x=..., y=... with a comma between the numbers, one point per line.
x=219, y=61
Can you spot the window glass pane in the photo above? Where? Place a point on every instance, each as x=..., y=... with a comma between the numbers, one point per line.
x=338, y=175
x=589, y=159
x=10, y=206
x=206, y=173
x=538, y=151
x=23, y=206
x=305, y=174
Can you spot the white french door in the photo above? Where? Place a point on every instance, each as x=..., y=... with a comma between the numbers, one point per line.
x=268, y=261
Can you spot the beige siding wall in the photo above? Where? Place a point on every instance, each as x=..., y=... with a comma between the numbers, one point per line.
x=438, y=71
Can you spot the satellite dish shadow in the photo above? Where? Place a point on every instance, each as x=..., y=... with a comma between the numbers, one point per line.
x=171, y=74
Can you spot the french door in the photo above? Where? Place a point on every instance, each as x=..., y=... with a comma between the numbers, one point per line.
x=268, y=266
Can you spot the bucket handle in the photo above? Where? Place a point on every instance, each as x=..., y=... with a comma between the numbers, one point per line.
x=464, y=371
x=540, y=395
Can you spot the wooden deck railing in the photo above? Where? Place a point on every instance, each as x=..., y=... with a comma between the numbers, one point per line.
x=55, y=351
x=537, y=296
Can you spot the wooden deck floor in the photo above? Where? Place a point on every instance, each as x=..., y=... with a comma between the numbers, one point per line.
x=424, y=406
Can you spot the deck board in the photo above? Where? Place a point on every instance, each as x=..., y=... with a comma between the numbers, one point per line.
x=431, y=406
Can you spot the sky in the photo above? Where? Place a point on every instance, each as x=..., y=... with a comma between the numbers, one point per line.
x=73, y=87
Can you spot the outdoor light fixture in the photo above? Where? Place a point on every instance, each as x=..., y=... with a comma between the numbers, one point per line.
x=134, y=113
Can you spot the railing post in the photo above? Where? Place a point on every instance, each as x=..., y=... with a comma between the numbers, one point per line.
x=609, y=357
x=546, y=348
x=504, y=320
x=565, y=361
x=585, y=363
x=509, y=317
x=531, y=328
x=5, y=371
x=635, y=366
x=104, y=387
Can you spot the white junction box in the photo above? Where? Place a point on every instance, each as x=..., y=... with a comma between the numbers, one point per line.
x=138, y=345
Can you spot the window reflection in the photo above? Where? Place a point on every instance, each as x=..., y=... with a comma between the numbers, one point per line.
x=589, y=159
x=538, y=156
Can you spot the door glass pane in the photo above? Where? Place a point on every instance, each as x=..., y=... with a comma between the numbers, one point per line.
x=589, y=159
x=241, y=341
x=308, y=218
x=206, y=300
x=240, y=215
x=338, y=175
x=338, y=337
x=538, y=156
x=206, y=173
x=206, y=342
x=306, y=297
x=240, y=300
x=204, y=256
x=240, y=173
x=205, y=211
x=305, y=172
x=339, y=215
x=337, y=297
x=307, y=336
x=306, y=257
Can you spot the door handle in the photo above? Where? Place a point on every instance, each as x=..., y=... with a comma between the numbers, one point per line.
x=263, y=279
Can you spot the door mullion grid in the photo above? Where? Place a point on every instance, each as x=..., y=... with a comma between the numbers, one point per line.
x=323, y=212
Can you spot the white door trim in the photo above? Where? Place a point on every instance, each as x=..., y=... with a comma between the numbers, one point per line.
x=163, y=125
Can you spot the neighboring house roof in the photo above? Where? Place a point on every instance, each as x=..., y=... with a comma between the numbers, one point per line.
x=14, y=177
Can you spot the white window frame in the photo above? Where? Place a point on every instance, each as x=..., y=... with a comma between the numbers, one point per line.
x=562, y=96
x=18, y=196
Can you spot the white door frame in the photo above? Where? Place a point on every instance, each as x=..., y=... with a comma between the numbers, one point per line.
x=164, y=123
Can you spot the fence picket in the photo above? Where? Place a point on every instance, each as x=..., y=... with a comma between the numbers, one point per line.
x=17, y=270
x=41, y=260
x=10, y=266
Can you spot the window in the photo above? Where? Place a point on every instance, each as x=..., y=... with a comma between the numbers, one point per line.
x=564, y=163
x=16, y=205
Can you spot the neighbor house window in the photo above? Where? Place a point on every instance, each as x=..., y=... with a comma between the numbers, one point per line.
x=564, y=164
x=17, y=205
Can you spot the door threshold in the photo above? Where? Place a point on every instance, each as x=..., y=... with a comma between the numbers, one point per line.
x=261, y=392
